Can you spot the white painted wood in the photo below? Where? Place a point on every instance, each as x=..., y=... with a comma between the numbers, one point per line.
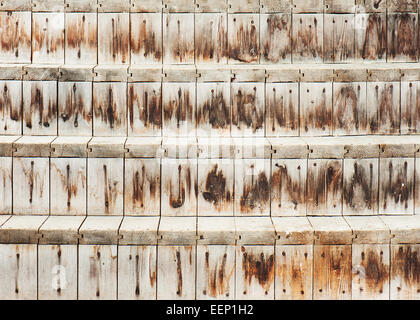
x=252, y=187
x=138, y=230
x=307, y=38
x=40, y=108
x=178, y=104
x=179, y=187
x=247, y=109
x=97, y=272
x=81, y=38
x=177, y=230
x=215, y=187
x=10, y=107
x=288, y=148
x=216, y=230
x=315, y=109
x=15, y=44
x=215, y=272
x=61, y=230
x=383, y=99
x=370, y=269
x=22, y=229
x=215, y=148
x=100, y=230
x=75, y=108
x=276, y=38
x=405, y=283
x=338, y=38
x=68, y=186
x=48, y=37
x=211, y=38
x=410, y=107
x=293, y=279
x=105, y=187
x=288, y=187
x=254, y=230
x=6, y=185
x=255, y=272
x=396, y=183
x=178, y=38
x=251, y=148
x=360, y=186
x=110, y=109
x=332, y=270
x=144, y=109
x=349, y=108
x=176, y=272
x=18, y=271
x=243, y=39
x=31, y=186
x=282, y=109
x=146, y=38
x=142, y=187
x=113, y=38
x=324, y=195
x=137, y=272
x=57, y=272
x=213, y=109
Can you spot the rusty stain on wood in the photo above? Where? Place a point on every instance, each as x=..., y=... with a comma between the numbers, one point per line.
x=371, y=39
x=338, y=37
x=216, y=191
x=215, y=110
x=276, y=38
x=218, y=276
x=178, y=41
x=15, y=38
x=243, y=38
x=114, y=44
x=307, y=38
x=376, y=271
x=402, y=37
x=410, y=107
x=10, y=106
x=256, y=194
x=405, y=270
x=81, y=37
x=48, y=37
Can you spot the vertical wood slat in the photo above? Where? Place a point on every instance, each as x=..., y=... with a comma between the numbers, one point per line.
x=10, y=107
x=15, y=39
x=338, y=38
x=276, y=38
x=307, y=38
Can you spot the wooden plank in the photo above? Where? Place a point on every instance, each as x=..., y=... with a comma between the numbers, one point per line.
x=360, y=186
x=293, y=280
x=178, y=101
x=15, y=39
x=293, y=230
x=177, y=231
x=176, y=272
x=405, y=276
x=247, y=109
x=213, y=109
x=316, y=109
x=282, y=109
x=61, y=230
x=254, y=231
x=211, y=45
x=40, y=107
x=100, y=230
x=215, y=187
x=6, y=185
x=113, y=40
x=288, y=187
x=349, y=108
x=144, y=109
x=339, y=38
x=10, y=107
x=324, y=187
x=48, y=37
x=179, y=187
x=216, y=231
x=332, y=267
x=146, y=38
x=215, y=272
x=178, y=38
x=410, y=107
x=402, y=37
x=307, y=38
x=368, y=230
x=252, y=187
x=370, y=269
x=370, y=37
x=18, y=271
x=142, y=187
x=31, y=186
x=105, y=188
x=402, y=5
x=97, y=272
x=110, y=109
x=68, y=180
x=57, y=272
x=75, y=108
x=255, y=272
x=81, y=38
x=139, y=231
x=276, y=38
x=396, y=186
x=137, y=272
x=243, y=38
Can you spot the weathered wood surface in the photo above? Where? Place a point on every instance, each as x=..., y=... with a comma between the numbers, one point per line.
x=276, y=38
x=370, y=36
x=97, y=272
x=6, y=185
x=69, y=183
x=293, y=279
x=307, y=38
x=137, y=272
x=10, y=107
x=338, y=38
x=57, y=272
x=215, y=272
x=402, y=37
x=15, y=39
x=244, y=44
x=410, y=107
